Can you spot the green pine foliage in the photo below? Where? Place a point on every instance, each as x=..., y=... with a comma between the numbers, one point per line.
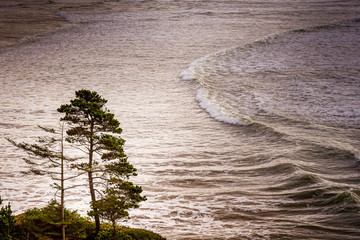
x=94, y=130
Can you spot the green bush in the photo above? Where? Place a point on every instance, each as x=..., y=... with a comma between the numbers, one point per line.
x=7, y=222
x=141, y=234
x=45, y=223
x=108, y=234
x=123, y=233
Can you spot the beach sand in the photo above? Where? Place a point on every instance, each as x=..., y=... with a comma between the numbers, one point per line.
x=22, y=20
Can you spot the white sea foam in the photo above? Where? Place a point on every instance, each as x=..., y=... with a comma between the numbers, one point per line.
x=216, y=111
x=188, y=74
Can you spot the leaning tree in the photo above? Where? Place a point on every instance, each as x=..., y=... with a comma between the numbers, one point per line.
x=95, y=131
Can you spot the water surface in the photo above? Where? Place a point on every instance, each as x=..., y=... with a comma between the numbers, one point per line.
x=235, y=134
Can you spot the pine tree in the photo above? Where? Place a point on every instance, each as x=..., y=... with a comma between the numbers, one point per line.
x=47, y=158
x=95, y=131
x=119, y=195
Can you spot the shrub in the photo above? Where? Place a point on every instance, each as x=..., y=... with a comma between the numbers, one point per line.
x=109, y=235
x=45, y=223
x=123, y=233
x=141, y=234
x=7, y=222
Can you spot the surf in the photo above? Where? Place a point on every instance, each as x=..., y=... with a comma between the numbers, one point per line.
x=259, y=83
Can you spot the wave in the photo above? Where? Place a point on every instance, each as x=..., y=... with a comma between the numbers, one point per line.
x=313, y=191
x=199, y=65
x=219, y=113
x=217, y=64
x=347, y=197
x=297, y=83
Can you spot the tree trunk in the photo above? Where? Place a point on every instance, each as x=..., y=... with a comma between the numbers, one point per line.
x=62, y=185
x=93, y=199
x=114, y=228
x=91, y=182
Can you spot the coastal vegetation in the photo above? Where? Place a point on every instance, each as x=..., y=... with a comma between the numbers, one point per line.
x=93, y=135
x=7, y=221
x=45, y=224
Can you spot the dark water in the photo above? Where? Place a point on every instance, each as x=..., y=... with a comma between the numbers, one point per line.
x=257, y=139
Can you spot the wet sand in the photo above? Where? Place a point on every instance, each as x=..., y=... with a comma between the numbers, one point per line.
x=22, y=20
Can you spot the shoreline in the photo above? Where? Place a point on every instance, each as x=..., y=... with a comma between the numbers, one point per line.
x=22, y=20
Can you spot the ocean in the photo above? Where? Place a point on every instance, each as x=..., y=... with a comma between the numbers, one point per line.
x=242, y=117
